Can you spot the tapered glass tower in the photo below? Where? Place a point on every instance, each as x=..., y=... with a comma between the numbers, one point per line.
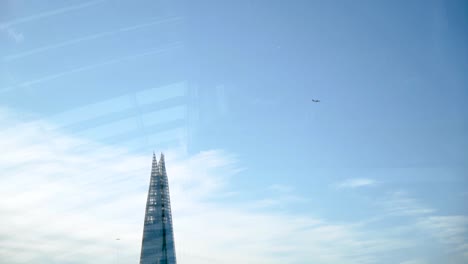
x=158, y=237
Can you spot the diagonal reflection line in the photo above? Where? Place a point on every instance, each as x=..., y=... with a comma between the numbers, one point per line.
x=151, y=23
x=51, y=13
x=138, y=133
x=112, y=117
x=20, y=55
x=175, y=45
x=160, y=145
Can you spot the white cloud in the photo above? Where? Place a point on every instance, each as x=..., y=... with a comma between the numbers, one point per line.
x=281, y=188
x=61, y=202
x=400, y=203
x=12, y=33
x=451, y=230
x=355, y=183
x=448, y=230
x=60, y=205
x=280, y=197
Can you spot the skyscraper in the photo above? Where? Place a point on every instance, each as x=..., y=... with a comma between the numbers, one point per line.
x=158, y=237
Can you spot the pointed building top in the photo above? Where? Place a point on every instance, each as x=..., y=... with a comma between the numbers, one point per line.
x=155, y=161
x=161, y=159
x=158, y=234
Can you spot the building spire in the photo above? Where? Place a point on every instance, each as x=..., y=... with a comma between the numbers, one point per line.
x=161, y=159
x=162, y=164
x=155, y=161
x=157, y=245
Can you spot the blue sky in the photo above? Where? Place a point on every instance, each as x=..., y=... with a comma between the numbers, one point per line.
x=374, y=173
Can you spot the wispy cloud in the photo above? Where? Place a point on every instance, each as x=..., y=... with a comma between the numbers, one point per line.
x=59, y=205
x=451, y=230
x=12, y=33
x=281, y=188
x=280, y=196
x=448, y=230
x=355, y=183
x=400, y=203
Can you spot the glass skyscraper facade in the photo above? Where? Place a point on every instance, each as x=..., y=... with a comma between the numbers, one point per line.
x=158, y=236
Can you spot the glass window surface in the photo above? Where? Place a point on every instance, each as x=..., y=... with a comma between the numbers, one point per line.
x=302, y=131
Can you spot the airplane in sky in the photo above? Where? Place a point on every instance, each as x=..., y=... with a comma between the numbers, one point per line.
x=315, y=101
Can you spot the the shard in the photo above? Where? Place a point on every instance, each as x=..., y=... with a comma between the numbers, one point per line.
x=158, y=237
